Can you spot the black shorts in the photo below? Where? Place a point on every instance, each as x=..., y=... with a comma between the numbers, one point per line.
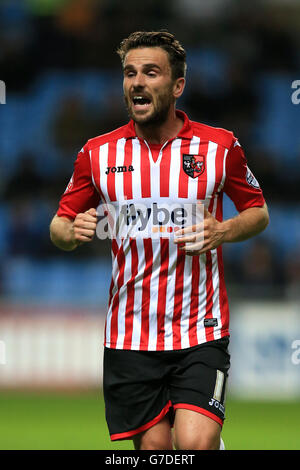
x=141, y=387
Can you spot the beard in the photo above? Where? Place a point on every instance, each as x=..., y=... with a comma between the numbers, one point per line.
x=159, y=113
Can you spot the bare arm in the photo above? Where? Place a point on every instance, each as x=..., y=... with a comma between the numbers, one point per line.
x=67, y=234
x=246, y=224
x=212, y=233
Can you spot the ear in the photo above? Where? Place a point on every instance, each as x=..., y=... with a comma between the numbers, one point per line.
x=178, y=87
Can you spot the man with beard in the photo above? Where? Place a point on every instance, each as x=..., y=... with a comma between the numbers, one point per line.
x=166, y=357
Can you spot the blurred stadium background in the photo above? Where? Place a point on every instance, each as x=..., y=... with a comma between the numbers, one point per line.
x=64, y=85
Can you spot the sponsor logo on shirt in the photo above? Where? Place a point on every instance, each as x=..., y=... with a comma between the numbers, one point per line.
x=136, y=220
x=119, y=169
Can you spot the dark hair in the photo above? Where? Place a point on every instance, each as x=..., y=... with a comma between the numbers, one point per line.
x=163, y=39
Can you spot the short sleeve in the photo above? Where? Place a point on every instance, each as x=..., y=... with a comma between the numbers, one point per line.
x=80, y=194
x=240, y=183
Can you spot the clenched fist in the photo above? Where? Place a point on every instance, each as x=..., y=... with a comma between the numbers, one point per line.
x=84, y=226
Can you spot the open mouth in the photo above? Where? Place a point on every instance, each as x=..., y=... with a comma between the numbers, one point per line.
x=141, y=102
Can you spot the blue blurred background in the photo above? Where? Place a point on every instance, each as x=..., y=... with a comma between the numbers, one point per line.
x=64, y=85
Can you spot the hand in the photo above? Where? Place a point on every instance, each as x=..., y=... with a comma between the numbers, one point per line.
x=84, y=226
x=202, y=237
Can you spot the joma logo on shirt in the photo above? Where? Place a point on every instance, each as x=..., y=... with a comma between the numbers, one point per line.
x=118, y=169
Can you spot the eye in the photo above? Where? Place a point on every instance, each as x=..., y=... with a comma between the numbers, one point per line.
x=129, y=74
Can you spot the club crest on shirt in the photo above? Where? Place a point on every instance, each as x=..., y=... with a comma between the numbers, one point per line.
x=193, y=165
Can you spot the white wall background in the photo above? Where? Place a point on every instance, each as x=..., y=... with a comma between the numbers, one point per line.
x=265, y=348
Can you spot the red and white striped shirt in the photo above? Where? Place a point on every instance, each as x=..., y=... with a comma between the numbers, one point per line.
x=160, y=298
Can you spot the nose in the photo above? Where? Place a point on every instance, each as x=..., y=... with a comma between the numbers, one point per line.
x=139, y=80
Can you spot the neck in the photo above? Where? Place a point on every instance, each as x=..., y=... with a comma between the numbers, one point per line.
x=159, y=133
